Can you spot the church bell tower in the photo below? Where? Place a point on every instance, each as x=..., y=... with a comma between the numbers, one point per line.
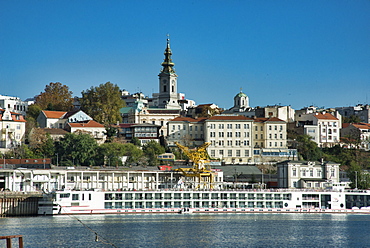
x=167, y=97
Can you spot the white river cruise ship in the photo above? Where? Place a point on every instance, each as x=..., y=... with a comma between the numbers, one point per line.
x=205, y=201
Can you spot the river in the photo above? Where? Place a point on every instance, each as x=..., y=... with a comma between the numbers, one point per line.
x=193, y=230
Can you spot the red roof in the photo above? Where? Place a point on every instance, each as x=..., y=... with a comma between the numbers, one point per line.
x=229, y=117
x=13, y=115
x=54, y=114
x=90, y=123
x=189, y=119
x=326, y=116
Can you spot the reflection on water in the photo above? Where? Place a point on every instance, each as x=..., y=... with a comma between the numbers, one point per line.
x=197, y=230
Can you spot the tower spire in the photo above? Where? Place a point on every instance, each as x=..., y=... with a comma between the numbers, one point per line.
x=167, y=62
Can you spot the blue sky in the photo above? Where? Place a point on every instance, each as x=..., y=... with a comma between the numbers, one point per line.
x=287, y=52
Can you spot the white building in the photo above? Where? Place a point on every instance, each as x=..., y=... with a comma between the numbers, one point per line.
x=230, y=137
x=28, y=180
x=95, y=129
x=13, y=127
x=324, y=128
x=13, y=104
x=356, y=133
x=307, y=174
x=59, y=119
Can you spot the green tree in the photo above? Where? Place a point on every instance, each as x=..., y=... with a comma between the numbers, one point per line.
x=103, y=103
x=111, y=153
x=22, y=151
x=133, y=153
x=351, y=119
x=33, y=111
x=56, y=97
x=110, y=132
x=77, y=149
x=136, y=141
x=307, y=148
x=151, y=150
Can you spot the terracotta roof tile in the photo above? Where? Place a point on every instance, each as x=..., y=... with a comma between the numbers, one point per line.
x=229, y=117
x=326, y=116
x=90, y=123
x=54, y=114
x=189, y=119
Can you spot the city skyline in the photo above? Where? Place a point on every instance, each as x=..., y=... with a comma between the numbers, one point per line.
x=278, y=52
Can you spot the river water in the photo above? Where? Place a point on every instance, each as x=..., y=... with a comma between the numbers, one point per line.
x=193, y=230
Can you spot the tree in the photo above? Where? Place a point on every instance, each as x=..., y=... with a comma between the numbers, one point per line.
x=111, y=153
x=103, y=103
x=22, y=151
x=351, y=119
x=77, y=149
x=151, y=150
x=56, y=97
x=136, y=141
x=110, y=132
x=307, y=148
x=33, y=111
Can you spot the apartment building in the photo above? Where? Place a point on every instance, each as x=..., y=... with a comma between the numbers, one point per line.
x=13, y=127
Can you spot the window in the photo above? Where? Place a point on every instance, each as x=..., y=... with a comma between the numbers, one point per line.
x=229, y=153
x=294, y=172
x=246, y=153
x=238, y=153
x=261, y=128
x=221, y=152
x=74, y=197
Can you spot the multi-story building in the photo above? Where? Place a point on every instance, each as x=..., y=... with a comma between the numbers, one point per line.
x=307, y=174
x=13, y=127
x=186, y=130
x=234, y=139
x=13, y=104
x=59, y=119
x=356, y=135
x=285, y=113
x=230, y=137
x=362, y=111
x=91, y=127
x=145, y=132
x=324, y=128
x=270, y=140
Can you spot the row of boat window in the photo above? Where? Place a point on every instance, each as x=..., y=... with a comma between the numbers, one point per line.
x=169, y=196
x=130, y=205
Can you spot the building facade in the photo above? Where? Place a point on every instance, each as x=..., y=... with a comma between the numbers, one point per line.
x=307, y=174
x=13, y=128
x=13, y=104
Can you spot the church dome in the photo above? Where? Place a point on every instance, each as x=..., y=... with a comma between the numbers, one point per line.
x=241, y=94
